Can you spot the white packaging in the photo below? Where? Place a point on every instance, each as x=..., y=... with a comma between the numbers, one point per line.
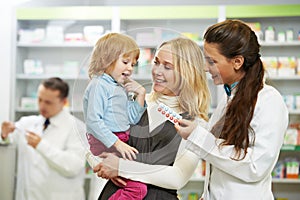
x=29, y=66
x=269, y=34
x=290, y=137
x=287, y=66
x=54, y=34
x=289, y=35
x=29, y=103
x=92, y=33
x=297, y=102
x=289, y=101
x=271, y=65
x=281, y=36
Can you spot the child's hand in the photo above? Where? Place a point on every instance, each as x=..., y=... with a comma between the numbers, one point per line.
x=133, y=86
x=125, y=150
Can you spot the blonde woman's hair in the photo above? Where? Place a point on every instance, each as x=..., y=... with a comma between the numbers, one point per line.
x=190, y=77
x=108, y=49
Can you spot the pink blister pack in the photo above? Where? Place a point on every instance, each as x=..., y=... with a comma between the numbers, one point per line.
x=170, y=114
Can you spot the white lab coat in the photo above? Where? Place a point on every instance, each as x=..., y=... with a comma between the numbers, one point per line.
x=55, y=169
x=249, y=178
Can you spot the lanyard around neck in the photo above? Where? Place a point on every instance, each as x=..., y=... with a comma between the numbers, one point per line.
x=228, y=88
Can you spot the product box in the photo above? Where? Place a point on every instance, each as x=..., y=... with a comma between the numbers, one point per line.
x=270, y=34
x=29, y=103
x=31, y=36
x=54, y=34
x=289, y=101
x=92, y=33
x=291, y=136
x=271, y=65
x=73, y=37
x=32, y=67
x=256, y=27
x=298, y=66
x=297, y=101
x=287, y=66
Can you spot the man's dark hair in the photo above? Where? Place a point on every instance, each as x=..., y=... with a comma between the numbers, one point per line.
x=56, y=83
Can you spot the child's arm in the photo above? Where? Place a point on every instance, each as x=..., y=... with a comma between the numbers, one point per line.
x=127, y=152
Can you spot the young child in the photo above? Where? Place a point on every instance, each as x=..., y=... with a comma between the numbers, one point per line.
x=108, y=112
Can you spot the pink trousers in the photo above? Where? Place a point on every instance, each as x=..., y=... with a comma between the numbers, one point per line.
x=133, y=190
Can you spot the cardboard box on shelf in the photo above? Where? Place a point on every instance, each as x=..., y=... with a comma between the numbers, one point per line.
x=287, y=66
x=271, y=65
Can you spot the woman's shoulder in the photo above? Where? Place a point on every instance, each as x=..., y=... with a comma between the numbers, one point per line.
x=270, y=95
x=269, y=91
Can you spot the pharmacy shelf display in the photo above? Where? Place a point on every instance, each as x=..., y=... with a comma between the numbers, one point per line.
x=56, y=41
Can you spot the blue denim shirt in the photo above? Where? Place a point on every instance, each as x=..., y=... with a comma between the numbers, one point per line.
x=106, y=109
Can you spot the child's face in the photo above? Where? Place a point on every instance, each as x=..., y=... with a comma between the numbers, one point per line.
x=123, y=68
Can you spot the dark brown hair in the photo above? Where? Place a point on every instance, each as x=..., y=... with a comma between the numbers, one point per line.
x=233, y=38
x=56, y=83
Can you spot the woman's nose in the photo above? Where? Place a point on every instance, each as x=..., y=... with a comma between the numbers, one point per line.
x=158, y=69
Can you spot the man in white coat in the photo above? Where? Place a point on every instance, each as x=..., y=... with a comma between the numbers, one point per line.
x=50, y=155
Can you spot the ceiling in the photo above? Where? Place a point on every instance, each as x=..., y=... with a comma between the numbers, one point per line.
x=152, y=2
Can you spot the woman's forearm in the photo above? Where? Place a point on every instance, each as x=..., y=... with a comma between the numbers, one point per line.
x=172, y=177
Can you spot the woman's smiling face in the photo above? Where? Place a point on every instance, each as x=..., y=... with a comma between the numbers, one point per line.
x=163, y=73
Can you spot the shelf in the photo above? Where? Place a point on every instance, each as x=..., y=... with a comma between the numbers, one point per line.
x=290, y=148
x=26, y=110
x=44, y=76
x=280, y=44
x=274, y=180
x=55, y=45
x=294, y=111
x=283, y=78
x=30, y=110
x=197, y=179
x=285, y=180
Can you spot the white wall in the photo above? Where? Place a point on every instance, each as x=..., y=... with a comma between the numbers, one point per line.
x=6, y=23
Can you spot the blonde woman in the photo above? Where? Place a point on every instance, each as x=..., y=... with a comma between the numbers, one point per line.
x=179, y=82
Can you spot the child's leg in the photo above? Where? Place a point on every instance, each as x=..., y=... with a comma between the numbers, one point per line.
x=96, y=146
x=133, y=190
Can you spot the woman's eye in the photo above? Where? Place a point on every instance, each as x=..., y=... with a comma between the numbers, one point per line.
x=210, y=62
x=166, y=67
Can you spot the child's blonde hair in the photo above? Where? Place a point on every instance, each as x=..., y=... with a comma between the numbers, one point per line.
x=108, y=49
x=188, y=61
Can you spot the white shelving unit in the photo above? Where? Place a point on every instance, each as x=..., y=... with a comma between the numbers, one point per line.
x=164, y=22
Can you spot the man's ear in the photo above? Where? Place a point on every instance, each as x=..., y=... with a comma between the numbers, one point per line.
x=65, y=101
x=238, y=62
